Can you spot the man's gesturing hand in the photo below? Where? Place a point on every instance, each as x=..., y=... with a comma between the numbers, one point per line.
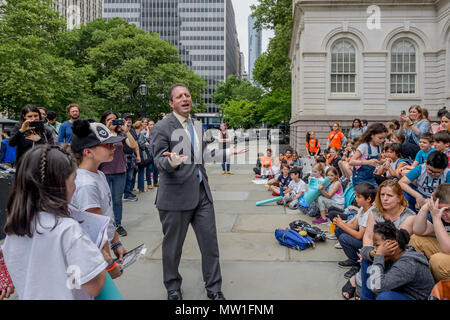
x=175, y=158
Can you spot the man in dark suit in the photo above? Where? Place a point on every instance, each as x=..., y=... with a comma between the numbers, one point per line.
x=184, y=196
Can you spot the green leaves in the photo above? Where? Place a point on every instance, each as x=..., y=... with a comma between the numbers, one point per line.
x=240, y=113
x=99, y=66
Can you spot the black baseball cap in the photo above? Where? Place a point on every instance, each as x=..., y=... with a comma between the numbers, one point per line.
x=88, y=134
x=127, y=115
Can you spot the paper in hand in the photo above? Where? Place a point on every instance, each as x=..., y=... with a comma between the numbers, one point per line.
x=132, y=256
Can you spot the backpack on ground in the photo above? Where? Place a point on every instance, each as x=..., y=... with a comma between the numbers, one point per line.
x=292, y=239
x=313, y=232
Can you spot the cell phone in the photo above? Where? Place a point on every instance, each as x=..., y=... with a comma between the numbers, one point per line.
x=37, y=124
x=403, y=112
x=118, y=122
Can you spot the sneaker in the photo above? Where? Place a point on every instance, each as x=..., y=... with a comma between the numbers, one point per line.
x=131, y=199
x=338, y=246
x=121, y=231
x=229, y=172
x=346, y=263
x=156, y=185
x=350, y=273
x=150, y=187
x=275, y=194
x=331, y=236
x=257, y=176
x=280, y=202
x=319, y=220
x=223, y=172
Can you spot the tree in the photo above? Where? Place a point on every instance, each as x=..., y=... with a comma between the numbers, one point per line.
x=240, y=113
x=275, y=106
x=121, y=56
x=236, y=89
x=30, y=69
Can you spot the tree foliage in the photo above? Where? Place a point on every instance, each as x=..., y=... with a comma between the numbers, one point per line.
x=30, y=71
x=272, y=68
x=236, y=89
x=99, y=66
x=240, y=113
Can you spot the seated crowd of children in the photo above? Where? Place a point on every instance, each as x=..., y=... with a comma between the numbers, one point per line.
x=390, y=206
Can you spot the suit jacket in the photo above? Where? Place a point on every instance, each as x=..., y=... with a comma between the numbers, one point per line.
x=179, y=188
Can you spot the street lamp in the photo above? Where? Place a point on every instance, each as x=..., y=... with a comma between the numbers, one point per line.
x=143, y=93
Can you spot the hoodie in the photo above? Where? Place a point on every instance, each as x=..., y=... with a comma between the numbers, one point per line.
x=409, y=275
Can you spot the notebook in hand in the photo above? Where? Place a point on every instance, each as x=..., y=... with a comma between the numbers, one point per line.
x=5, y=278
x=132, y=256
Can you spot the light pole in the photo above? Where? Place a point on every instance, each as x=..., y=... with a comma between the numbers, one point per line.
x=143, y=93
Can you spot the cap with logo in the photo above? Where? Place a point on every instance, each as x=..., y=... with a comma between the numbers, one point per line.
x=90, y=134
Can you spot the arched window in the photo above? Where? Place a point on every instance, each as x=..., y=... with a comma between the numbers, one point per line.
x=343, y=67
x=403, y=68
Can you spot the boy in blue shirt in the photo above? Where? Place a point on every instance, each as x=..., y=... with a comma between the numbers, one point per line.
x=427, y=177
x=425, y=144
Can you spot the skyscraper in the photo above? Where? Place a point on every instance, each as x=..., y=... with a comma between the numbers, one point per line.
x=204, y=32
x=79, y=11
x=254, y=45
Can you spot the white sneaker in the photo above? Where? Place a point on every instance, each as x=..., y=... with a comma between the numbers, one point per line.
x=331, y=236
x=338, y=246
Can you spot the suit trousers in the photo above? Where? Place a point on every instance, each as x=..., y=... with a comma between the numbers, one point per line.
x=175, y=225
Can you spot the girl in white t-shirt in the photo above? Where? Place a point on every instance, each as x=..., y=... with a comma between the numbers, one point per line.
x=46, y=252
x=366, y=157
x=92, y=191
x=332, y=196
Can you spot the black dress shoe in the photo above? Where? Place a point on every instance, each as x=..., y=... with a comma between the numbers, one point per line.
x=215, y=295
x=174, y=295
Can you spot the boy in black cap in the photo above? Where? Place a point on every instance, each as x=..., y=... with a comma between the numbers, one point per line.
x=92, y=143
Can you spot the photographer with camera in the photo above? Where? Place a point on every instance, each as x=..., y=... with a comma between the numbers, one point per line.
x=30, y=131
x=115, y=171
x=414, y=125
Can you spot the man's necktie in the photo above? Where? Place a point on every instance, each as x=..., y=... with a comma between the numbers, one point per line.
x=193, y=144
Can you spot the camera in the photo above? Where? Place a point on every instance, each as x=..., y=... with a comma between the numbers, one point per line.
x=403, y=112
x=118, y=122
x=37, y=124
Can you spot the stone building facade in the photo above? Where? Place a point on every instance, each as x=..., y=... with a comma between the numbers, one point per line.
x=352, y=59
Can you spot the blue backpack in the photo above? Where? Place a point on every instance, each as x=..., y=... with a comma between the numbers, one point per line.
x=292, y=239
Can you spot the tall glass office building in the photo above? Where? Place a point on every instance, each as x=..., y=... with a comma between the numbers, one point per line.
x=204, y=31
x=254, y=45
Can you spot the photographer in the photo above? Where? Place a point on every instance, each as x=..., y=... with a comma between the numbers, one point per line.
x=115, y=171
x=30, y=131
x=414, y=125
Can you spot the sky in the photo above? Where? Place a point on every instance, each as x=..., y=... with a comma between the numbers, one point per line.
x=242, y=11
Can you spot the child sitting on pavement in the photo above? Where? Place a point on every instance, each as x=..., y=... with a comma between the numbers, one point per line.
x=442, y=143
x=350, y=233
x=318, y=173
x=275, y=170
x=282, y=182
x=295, y=162
x=428, y=177
x=432, y=237
x=333, y=196
x=294, y=190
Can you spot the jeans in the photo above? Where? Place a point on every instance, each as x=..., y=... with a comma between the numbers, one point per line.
x=151, y=168
x=116, y=184
x=141, y=178
x=129, y=183
x=350, y=244
x=228, y=166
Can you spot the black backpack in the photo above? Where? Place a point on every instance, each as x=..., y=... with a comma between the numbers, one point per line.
x=314, y=232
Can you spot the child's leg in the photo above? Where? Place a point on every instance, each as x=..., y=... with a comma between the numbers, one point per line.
x=350, y=246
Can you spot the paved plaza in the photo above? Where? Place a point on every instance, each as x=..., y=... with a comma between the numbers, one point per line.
x=254, y=266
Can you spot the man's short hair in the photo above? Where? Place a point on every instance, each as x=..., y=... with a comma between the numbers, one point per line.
x=427, y=136
x=51, y=115
x=442, y=136
x=364, y=121
x=269, y=150
x=170, y=94
x=366, y=190
x=442, y=192
x=289, y=149
x=72, y=105
x=395, y=147
x=297, y=171
x=321, y=159
x=437, y=160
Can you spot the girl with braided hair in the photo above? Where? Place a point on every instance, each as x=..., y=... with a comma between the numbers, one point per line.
x=396, y=274
x=48, y=255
